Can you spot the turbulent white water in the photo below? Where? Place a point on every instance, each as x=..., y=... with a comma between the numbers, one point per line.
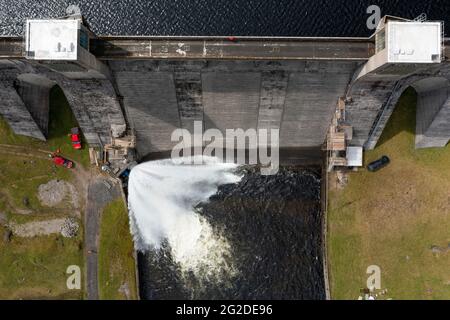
x=161, y=197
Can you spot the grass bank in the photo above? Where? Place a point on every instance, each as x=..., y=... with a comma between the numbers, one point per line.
x=61, y=120
x=115, y=257
x=392, y=218
x=36, y=267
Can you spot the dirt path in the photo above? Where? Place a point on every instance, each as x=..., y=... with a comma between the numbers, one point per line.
x=95, y=192
x=24, y=151
x=93, y=195
x=101, y=191
x=37, y=228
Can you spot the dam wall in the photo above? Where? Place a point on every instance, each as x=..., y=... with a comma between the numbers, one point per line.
x=372, y=98
x=433, y=111
x=35, y=93
x=13, y=108
x=154, y=85
x=159, y=96
x=296, y=97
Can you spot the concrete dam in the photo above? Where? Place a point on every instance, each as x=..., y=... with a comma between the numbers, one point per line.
x=321, y=93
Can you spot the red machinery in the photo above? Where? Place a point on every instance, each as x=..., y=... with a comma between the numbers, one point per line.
x=60, y=161
x=75, y=137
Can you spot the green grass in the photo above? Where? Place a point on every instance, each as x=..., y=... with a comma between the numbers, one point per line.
x=33, y=267
x=116, y=261
x=61, y=120
x=36, y=267
x=392, y=217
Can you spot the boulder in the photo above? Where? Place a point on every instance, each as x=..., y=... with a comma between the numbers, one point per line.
x=70, y=227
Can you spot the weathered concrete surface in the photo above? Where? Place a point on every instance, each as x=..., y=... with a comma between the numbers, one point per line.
x=372, y=99
x=433, y=112
x=366, y=99
x=297, y=97
x=35, y=93
x=241, y=48
x=188, y=86
x=93, y=101
x=231, y=99
x=12, y=107
x=310, y=103
x=151, y=105
x=272, y=98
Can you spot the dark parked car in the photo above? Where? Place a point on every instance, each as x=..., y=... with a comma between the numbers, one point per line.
x=378, y=164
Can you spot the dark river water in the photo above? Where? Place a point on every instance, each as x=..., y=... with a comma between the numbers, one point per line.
x=273, y=227
x=221, y=17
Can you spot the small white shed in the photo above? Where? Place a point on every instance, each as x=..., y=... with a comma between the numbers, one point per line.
x=354, y=156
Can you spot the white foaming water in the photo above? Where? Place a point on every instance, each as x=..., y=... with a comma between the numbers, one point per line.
x=161, y=198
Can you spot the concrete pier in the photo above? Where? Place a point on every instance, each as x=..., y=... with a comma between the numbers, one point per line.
x=13, y=108
x=35, y=93
x=24, y=89
x=433, y=112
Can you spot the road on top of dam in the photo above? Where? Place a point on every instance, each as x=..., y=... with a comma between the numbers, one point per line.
x=239, y=48
x=219, y=48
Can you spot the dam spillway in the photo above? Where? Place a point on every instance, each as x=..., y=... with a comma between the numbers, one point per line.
x=295, y=97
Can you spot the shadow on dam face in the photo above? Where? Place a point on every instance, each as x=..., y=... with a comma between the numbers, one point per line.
x=302, y=156
x=296, y=97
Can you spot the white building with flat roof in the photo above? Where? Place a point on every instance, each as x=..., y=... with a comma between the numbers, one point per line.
x=413, y=42
x=405, y=43
x=63, y=46
x=52, y=39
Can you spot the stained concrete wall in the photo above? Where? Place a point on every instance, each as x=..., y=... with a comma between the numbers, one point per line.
x=151, y=105
x=367, y=99
x=433, y=112
x=372, y=99
x=95, y=106
x=93, y=101
x=35, y=93
x=297, y=97
x=12, y=108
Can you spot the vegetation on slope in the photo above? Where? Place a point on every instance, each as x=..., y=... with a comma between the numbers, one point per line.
x=36, y=267
x=397, y=218
x=116, y=261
